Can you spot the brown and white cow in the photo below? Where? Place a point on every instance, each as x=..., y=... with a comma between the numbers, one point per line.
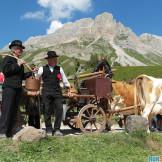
x=126, y=90
x=148, y=93
x=123, y=97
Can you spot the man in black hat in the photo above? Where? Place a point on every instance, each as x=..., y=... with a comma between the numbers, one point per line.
x=13, y=71
x=103, y=65
x=52, y=75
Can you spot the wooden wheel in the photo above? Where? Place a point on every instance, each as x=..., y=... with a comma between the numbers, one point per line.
x=70, y=119
x=92, y=119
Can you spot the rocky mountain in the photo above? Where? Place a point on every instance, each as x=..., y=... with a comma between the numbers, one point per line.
x=102, y=35
x=153, y=41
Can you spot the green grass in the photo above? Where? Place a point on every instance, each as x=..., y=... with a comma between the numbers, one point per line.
x=131, y=72
x=146, y=60
x=128, y=73
x=105, y=147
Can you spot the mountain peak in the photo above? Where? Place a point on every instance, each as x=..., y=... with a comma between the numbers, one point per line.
x=102, y=35
x=105, y=16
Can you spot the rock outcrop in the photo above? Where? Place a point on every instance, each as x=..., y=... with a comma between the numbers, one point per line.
x=29, y=134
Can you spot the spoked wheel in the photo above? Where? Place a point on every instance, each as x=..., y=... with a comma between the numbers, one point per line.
x=92, y=119
x=71, y=118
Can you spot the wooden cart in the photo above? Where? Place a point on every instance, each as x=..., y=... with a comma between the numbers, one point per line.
x=90, y=109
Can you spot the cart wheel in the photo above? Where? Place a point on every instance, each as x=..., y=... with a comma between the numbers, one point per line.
x=70, y=118
x=92, y=119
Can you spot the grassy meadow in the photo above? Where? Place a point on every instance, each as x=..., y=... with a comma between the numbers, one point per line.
x=104, y=147
x=131, y=72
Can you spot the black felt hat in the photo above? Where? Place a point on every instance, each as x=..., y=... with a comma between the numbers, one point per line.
x=16, y=43
x=51, y=54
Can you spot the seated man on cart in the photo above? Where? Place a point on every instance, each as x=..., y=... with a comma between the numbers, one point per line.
x=103, y=65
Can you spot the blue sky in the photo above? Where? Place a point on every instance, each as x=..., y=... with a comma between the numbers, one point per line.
x=20, y=19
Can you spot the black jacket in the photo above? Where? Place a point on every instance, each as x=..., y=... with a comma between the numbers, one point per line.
x=14, y=74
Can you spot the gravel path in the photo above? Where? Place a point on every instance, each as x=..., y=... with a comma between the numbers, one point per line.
x=70, y=132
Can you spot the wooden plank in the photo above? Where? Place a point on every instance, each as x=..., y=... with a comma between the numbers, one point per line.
x=124, y=109
x=79, y=96
x=90, y=74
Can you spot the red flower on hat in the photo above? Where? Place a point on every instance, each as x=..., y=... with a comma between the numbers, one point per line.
x=59, y=76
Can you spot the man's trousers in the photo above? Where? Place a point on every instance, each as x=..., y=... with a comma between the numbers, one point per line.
x=52, y=104
x=10, y=103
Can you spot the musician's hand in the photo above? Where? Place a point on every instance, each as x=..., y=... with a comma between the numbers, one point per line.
x=35, y=69
x=70, y=94
x=21, y=62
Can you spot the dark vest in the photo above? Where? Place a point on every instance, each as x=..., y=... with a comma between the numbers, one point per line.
x=14, y=74
x=51, y=83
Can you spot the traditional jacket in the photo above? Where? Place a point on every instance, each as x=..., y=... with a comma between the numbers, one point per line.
x=14, y=74
x=51, y=80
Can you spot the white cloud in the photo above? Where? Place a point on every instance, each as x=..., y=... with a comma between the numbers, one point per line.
x=44, y=3
x=54, y=26
x=34, y=15
x=64, y=8
x=57, y=10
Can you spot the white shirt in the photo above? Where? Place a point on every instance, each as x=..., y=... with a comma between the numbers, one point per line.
x=64, y=79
